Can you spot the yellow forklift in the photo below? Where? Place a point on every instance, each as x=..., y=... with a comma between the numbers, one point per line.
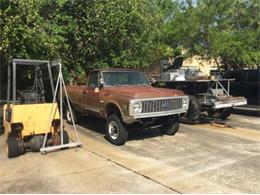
x=29, y=121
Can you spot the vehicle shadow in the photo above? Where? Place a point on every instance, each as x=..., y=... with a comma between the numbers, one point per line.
x=205, y=119
x=95, y=124
x=98, y=126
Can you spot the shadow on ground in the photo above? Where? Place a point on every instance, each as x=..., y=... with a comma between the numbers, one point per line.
x=205, y=119
x=99, y=126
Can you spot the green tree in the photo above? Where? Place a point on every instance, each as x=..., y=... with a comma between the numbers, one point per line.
x=228, y=30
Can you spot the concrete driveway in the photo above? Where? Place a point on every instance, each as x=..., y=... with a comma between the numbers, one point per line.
x=200, y=158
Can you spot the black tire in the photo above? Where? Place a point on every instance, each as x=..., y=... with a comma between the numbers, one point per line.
x=222, y=113
x=36, y=143
x=171, y=126
x=116, y=133
x=225, y=113
x=1, y=122
x=193, y=113
x=68, y=116
x=211, y=113
x=65, y=137
x=2, y=130
x=12, y=147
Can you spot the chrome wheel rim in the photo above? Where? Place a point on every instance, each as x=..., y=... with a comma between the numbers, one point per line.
x=113, y=130
x=68, y=115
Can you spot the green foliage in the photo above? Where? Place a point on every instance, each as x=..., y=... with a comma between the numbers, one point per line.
x=88, y=34
x=228, y=30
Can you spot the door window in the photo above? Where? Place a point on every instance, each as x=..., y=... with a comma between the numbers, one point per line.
x=93, y=80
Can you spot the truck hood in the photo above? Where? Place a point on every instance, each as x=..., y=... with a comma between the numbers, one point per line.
x=141, y=92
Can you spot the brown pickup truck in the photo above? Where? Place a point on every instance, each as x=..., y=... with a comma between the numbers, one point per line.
x=124, y=98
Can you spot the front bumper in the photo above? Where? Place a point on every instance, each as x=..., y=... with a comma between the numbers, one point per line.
x=176, y=105
x=132, y=119
x=158, y=114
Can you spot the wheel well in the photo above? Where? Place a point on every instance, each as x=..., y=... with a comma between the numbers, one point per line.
x=112, y=109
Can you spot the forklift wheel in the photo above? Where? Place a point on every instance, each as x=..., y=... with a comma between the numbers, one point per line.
x=12, y=147
x=2, y=130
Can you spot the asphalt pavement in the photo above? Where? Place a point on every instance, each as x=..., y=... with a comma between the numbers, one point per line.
x=201, y=158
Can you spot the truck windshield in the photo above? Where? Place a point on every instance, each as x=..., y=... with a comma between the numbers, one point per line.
x=124, y=78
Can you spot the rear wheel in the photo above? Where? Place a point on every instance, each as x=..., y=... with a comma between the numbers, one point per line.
x=69, y=116
x=115, y=130
x=171, y=126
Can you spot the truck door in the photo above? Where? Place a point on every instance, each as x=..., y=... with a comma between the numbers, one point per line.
x=91, y=94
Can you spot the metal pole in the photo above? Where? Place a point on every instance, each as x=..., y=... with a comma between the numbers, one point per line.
x=51, y=78
x=8, y=83
x=41, y=85
x=14, y=82
x=61, y=106
x=217, y=88
x=49, y=124
x=228, y=86
x=70, y=109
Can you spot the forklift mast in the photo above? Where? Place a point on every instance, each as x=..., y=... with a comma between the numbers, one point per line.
x=38, y=81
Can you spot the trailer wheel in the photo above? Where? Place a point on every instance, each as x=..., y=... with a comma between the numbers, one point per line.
x=69, y=117
x=225, y=113
x=115, y=130
x=12, y=147
x=171, y=126
x=222, y=113
x=193, y=113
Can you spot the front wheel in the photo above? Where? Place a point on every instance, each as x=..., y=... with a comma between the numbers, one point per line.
x=116, y=133
x=14, y=147
x=171, y=126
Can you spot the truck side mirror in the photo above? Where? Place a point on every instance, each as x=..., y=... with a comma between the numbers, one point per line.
x=101, y=83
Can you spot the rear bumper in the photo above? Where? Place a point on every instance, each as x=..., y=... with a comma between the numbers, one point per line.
x=229, y=102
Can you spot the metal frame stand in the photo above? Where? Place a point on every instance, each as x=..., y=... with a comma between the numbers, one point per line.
x=60, y=86
x=217, y=85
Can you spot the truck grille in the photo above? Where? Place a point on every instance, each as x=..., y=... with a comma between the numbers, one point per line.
x=161, y=105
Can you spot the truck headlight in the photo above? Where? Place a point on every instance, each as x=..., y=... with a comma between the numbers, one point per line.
x=137, y=107
x=185, y=102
